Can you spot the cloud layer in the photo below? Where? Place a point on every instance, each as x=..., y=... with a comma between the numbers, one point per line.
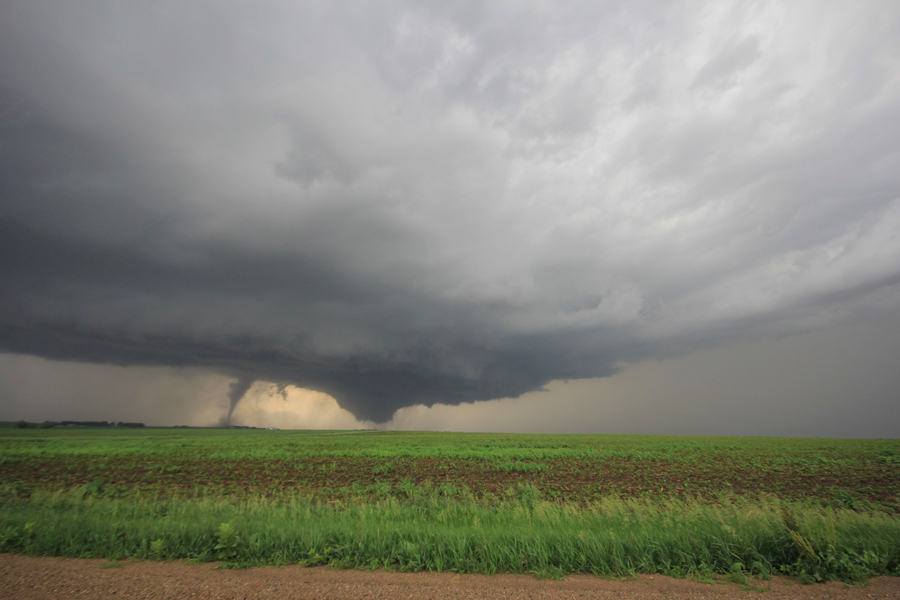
x=403, y=203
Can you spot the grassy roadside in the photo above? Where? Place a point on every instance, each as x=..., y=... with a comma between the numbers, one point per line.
x=428, y=531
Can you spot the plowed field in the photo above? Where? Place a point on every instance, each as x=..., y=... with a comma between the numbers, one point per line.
x=333, y=465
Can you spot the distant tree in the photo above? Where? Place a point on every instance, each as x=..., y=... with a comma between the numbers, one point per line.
x=25, y=425
x=47, y=425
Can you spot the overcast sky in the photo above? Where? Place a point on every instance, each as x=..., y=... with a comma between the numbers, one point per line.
x=330, y=212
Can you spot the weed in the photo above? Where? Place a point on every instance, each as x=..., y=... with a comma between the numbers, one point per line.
x=381, y=469
x=527, y=495
x=95, y=488
x=846, y=499
x=228, y=540
x=737, y=574
x=407, y=488
x=548, y=573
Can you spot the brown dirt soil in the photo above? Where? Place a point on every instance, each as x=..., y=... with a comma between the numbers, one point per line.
x=27, y=578
x=564, y=480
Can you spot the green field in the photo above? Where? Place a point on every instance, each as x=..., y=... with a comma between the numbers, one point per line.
x=545, y=504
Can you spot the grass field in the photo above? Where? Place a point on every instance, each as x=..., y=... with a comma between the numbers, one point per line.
x=612, y=505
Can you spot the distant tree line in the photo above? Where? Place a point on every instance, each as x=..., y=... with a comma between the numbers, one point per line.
x=27, y=425
x=49, y=424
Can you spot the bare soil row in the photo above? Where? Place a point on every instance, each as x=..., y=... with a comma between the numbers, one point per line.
x=563, y=480
x=40, y=578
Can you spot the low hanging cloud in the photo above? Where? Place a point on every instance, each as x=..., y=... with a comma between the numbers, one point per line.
x=406, y=203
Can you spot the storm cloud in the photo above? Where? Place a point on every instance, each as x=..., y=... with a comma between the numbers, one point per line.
x=417, y=203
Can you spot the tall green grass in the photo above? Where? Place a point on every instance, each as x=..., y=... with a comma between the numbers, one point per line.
x=424, y=530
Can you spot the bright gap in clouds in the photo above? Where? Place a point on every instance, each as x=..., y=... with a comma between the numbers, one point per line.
x=269, y=405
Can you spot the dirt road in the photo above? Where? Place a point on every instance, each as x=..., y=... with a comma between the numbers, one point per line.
x=27, y=578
